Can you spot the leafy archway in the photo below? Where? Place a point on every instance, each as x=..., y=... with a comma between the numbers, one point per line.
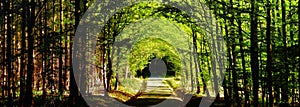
x=192, y=38
x=151, y=48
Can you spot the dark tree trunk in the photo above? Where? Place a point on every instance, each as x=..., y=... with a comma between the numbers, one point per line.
x=196, y=61
x=277, y=90
x=286, y=73
x=74, y=92
x=269, y=56
x=3, y=45
x=262, y=74
x=293, y=81
x=202, y=76
x=245, y=74
x=23, y=43
x=227, y=37
x=117, y=72
x=233, y=64
x=254, y=52
x=109, y=72
x=60, y=86
x=30, y=66
x=8, y=53
x=44, y=56
x=13, y=50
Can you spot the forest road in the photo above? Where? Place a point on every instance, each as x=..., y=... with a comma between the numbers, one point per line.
x=157, y=94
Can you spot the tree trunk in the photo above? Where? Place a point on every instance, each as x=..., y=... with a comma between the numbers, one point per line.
x=8, y=53
x=254, y=52
x=285, y=89
x=229, y=59
x=191, y=66
x=109, y=72
x=197, y=65
x=3, y=52
x=74, y=92
x=269, y=56
x=233, y=64
x=60, y=86
x=23, y=43
x=117, y=72
x=245, y=74
x=30, y=66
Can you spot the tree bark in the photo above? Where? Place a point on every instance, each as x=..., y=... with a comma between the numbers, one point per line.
x=269, y=55
x=23, y=43
x=286, y=74
x=233, y=64
x=8, y=53
x=197, y=65
x=30, y=66
x=254, y=52
x=245, y=74
x=60, y=78
x=74, y=92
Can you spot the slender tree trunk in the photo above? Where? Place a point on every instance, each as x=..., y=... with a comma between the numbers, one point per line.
x=13, y=50
x=269, y=55
x=191, y=66
x=74, y=92
x=278, y=88
x=245, y=74
x=229, y=58
x=3, y=45
x=254, y=52
x=8, y=53
x=60, y=87
x=197, y=65
x=30, y=66
x=286, y=74
x=262, y=74
x=109, y=71
x=103, y=51
x=233, y=64
x=23, y=43
x=202, y=76
x=117, y=72
x=209, y=69
x=234, y=72
x=45, y=55
x=294, y=64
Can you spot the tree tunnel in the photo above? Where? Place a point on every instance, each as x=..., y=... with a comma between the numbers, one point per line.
x=162, y=60
x=137, y=36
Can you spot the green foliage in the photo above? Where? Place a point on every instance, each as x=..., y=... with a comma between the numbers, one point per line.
x=151, y=48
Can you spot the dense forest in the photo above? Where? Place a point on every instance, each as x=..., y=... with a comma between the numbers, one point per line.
x=110, y=53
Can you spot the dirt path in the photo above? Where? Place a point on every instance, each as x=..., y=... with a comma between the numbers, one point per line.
x=155, y=93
